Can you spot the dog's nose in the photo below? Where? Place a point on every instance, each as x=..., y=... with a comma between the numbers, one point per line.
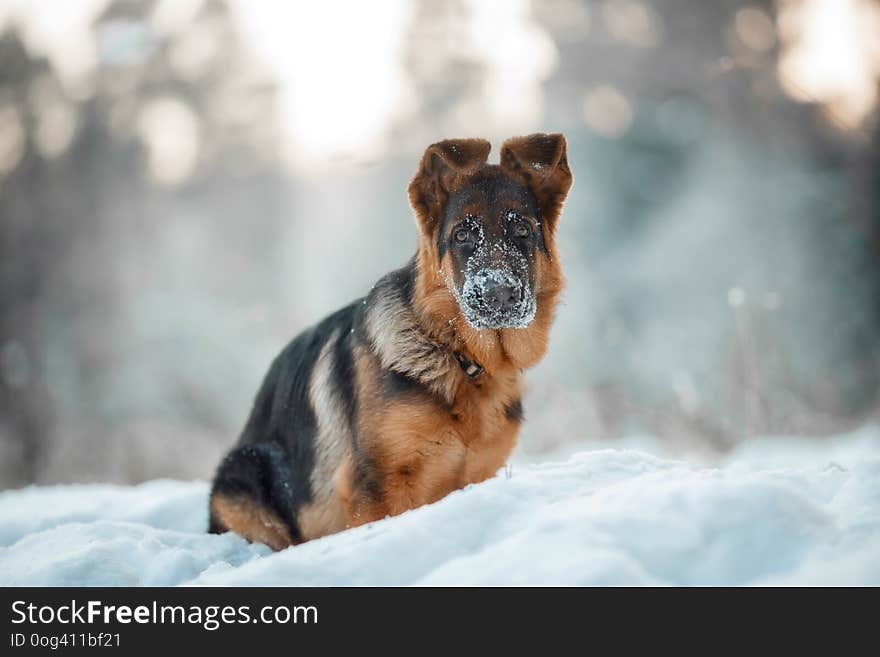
x=501, y=296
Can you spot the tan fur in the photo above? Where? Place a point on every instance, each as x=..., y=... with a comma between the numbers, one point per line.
x=322, y=518
x=248, y=519
x=325, y=514
x=497, y=351
x=422, y=451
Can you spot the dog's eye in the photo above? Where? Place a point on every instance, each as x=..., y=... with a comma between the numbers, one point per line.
x=461, y=235
x=518, y=227
x=521, y=229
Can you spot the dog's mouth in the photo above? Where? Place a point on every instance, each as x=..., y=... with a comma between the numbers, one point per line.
x=496, y=299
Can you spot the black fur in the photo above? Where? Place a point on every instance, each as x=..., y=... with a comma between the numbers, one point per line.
x=498, y=193
x=343, y=365
x=259, y=472
x=514, y=411
x=276, y=451
x=395, y=384
x=405, y=278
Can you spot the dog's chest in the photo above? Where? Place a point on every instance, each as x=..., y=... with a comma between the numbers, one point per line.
x=426, y=448
x=477, y=435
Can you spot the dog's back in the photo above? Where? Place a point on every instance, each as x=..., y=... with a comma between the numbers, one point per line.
x=294, y=440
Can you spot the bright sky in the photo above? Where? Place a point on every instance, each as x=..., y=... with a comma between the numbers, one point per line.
x=831, y=53
x=340, y=67
x=342, y=79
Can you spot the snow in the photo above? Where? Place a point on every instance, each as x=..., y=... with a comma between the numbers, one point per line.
x=781, y=511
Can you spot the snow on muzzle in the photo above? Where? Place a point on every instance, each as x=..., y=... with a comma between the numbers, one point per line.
x=495, y=299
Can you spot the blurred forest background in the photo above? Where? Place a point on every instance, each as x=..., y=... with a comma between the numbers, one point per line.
x=186, y=184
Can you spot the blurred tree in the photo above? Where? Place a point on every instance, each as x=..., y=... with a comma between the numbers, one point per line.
x=177, y=133
x=32, y=240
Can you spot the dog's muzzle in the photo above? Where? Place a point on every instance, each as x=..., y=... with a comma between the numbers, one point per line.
x=496, y=299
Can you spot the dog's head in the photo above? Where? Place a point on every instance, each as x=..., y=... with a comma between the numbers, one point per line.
x=488, y=227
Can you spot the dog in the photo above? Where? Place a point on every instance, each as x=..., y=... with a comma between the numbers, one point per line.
x=414, y=391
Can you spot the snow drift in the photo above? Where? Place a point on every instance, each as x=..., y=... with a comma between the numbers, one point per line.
x=780, y=511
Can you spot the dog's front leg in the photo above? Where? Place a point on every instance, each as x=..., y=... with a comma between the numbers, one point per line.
x=425, y=472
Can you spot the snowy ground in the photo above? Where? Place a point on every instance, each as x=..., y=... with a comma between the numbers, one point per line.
x=779, y=511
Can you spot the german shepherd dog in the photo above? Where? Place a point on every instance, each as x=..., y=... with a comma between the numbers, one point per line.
x=415, y=390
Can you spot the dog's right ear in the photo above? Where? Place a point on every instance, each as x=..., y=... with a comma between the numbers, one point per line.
x=443, y=166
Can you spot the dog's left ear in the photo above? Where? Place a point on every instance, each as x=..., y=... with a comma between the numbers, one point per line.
x=541, y=160
x=443, y=166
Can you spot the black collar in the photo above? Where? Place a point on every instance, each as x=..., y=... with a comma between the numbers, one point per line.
x=470, y=368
